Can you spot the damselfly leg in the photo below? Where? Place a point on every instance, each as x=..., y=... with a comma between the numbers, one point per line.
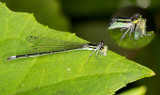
x=131, y=37
x=90, y=56
x=122, y=30
x=124, y=35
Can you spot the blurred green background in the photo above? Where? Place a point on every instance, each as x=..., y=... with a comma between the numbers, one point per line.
x=89, y=19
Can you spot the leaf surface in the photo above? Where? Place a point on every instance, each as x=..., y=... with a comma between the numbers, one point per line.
x=60, y=73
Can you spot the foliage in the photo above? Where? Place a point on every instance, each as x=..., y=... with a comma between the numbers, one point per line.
x=59, y=73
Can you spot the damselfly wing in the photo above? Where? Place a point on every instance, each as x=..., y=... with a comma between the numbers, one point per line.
x=43, y=44
x=140, y=29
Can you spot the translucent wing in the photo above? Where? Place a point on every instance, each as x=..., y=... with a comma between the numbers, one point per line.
x=136, y=35
x=140, y=30
x=41, y=44
x=143, y=27
x=137, y=32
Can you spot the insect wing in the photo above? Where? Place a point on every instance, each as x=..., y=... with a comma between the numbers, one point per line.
x=42, y=49
x=140, y=30
x=143, y=27
x=137, y=32
x=42, y=41
x=41, y=44
x=136, y=35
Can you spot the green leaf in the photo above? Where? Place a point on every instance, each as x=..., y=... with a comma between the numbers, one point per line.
x=135, y=91
x=58, y=73
x=127, y=42
x=46, y=12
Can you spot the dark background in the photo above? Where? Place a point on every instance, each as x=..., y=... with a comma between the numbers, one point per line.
x=89, y=19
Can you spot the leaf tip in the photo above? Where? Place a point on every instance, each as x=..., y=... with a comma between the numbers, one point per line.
x=124, y=56
x=46, y=26
x=5, y=6
x=74, y=34
x=32, y=14
x=153, y=73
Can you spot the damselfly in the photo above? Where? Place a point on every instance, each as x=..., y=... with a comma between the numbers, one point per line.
x=135, y=24
x=41, y=47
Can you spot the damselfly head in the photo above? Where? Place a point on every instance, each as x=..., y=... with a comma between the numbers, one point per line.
x=102, y=44
x=103, y=51
x=136, y=16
